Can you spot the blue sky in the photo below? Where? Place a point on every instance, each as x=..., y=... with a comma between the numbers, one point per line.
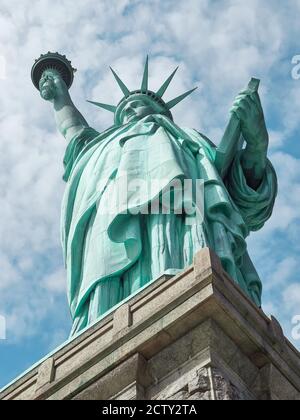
x=218, y=45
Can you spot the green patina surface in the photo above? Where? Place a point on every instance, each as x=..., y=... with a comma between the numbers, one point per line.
x=111, y=250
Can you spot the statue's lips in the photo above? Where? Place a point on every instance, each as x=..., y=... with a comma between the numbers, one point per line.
x=131, y=114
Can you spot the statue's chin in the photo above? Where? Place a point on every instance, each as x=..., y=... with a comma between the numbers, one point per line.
x=138, y=116
x=46, y=94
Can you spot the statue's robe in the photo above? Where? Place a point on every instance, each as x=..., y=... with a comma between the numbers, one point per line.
x=111, y=251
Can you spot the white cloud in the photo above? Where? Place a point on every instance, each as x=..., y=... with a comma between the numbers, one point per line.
x=284, y=270
x=291, y=297
x=56, y=282
x=9, y=275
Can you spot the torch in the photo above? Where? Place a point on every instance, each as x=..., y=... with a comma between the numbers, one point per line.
x=53, y=61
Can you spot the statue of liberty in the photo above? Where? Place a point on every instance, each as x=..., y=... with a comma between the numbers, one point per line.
x=110, y=250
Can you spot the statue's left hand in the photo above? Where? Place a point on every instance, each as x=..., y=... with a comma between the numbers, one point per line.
x=247, y=107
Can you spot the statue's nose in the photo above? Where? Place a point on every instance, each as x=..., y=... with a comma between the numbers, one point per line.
x=129, y=108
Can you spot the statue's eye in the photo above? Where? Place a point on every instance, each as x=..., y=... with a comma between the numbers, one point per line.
x=135, y=104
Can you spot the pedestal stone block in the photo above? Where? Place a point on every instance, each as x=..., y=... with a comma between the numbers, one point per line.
x=194, y=336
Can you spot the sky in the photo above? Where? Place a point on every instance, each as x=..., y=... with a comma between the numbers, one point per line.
x=219, y=46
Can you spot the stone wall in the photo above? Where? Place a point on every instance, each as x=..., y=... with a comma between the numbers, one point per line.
x=194, y=336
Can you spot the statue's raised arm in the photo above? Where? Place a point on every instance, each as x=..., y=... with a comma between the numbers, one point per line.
x=68, y=119
x=53, y=76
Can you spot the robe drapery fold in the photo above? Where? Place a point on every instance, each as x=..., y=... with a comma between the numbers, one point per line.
x=113, y=245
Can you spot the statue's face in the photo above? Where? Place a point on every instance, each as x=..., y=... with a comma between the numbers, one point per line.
x=47, y=85
x=138, y=109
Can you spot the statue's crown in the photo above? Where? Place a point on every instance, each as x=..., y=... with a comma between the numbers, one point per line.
x=56, y=62
x=142, y=92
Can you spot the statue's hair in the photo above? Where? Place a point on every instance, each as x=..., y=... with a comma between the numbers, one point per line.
x=142, y=93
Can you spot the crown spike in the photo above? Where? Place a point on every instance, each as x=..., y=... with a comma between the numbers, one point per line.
x=110, y=108
x=180, y=98
x=144, y=86
x=122, y=86
x=166, y=84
